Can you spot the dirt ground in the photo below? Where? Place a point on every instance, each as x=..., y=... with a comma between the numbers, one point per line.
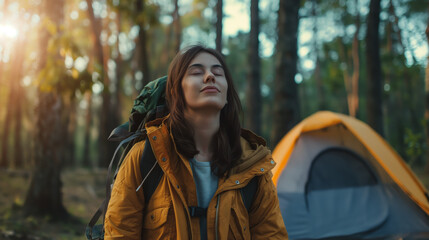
x=83, y=192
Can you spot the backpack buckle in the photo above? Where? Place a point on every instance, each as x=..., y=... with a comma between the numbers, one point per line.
x=197, y=211
x=95, y=233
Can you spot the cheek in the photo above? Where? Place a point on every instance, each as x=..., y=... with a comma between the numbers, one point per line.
x=188, y=90
x=225, y=91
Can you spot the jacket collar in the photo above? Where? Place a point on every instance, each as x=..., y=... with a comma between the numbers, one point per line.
x=255, y=160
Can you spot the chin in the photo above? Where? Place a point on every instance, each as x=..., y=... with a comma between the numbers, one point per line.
x=214, y=106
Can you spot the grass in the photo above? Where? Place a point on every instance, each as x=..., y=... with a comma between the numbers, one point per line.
x=83, y=192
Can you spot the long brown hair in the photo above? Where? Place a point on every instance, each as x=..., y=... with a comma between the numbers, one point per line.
x=226, y=147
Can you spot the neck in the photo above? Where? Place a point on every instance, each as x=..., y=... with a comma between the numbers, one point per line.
x=205, y=126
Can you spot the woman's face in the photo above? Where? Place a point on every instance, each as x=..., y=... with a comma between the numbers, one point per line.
x=204, y=84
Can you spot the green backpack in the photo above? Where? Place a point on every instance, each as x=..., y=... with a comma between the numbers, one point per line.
x=149, y=105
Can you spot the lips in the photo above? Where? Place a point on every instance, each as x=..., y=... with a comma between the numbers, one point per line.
x=210, y=89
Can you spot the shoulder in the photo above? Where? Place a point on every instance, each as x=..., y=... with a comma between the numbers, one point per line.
x=131, y=162
x=136, y=151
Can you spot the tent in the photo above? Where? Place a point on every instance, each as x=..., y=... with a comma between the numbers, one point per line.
x=337, y=178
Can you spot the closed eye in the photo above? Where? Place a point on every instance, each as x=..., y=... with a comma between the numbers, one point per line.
x=218, y=71
x=196, y=73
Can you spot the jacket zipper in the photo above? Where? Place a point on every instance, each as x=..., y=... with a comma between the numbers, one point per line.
x=217, y=217
x=189, y=223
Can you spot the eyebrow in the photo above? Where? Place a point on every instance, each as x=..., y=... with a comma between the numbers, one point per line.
x=201, y=66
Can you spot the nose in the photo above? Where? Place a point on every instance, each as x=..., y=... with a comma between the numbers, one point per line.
x=209, y=77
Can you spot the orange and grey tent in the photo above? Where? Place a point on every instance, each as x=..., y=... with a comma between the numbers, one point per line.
x=337, y=178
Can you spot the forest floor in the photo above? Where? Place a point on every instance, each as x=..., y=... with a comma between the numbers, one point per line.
x=83, y=192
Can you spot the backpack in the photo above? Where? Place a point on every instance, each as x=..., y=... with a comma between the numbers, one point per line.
x=149, y=105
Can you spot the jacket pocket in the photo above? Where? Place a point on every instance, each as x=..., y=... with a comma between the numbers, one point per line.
x=239, y=226
x=159, y=223
x=155, y=218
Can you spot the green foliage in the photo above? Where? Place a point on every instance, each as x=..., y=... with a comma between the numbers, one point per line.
x=420, y=6
x=416, y=146
x=54, y=76
x=237, y=61
x=195, y=16
x=128, y=9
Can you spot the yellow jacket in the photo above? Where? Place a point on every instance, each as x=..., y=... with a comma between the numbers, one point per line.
x=166, y=214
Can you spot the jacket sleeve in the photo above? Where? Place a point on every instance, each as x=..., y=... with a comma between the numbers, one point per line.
x=124, y=214
x=266, y=221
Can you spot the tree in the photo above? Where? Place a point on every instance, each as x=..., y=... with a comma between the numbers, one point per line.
x=219, y=25
x=177, y=26
x=394, y=103
x=254, y=99
x=427, y=99
x=44, y=195
x=142, y=51
x=317, y=71
x=373, y=62
x=105, y=149
x=286, y=102
x=351, y=81
x=15, y=99
x=87, y=132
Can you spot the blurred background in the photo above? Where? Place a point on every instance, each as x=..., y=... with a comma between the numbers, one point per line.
x=70, y=70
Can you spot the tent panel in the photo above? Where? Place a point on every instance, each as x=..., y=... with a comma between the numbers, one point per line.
x=334, y=212
x=390, y=161
x=339, y=168
x=406, y=218
x=380, y=211
x=309, y=145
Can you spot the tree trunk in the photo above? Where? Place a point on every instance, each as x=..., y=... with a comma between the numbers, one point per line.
x=427, y=101
x=394, y=106
x=373, y=62
x=4, y=154
x=355, y=76
x=19, y=96
x=168, y=51
x=14, y=113
x=104, y=150
x=143, y=56
x=69, y=120
x=351, y=80
x=1, y=67
x=4, y=161
x=86, y=162
x=254, y=99
x=286, y=102
x=390, y=108
x=219, y=25
x=44, y=195
x=317, y=75
x=119, y=72
x=342, y=50
x=177, y=26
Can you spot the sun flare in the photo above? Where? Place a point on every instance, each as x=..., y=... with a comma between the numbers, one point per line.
x=8, y=31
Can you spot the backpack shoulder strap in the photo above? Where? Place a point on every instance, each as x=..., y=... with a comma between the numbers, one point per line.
x=248, y=192
x=153, y=177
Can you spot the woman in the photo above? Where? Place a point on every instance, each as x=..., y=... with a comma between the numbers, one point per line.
x=206, y=158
